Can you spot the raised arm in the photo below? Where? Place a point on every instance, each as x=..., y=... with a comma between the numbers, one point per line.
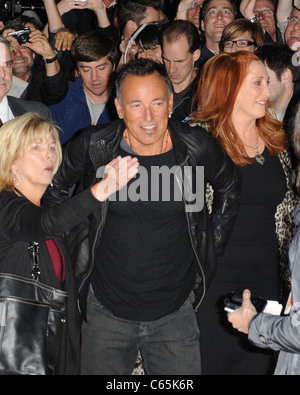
x=99, y=9
x=247, y=8
x=284, y=8
x=182, y=9
x=54, y=18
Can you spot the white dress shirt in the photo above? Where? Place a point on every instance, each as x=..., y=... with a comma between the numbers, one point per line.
x=5, y=111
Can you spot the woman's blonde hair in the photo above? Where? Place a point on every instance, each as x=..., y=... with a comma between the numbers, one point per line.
x=219, y=84
x=15, y=136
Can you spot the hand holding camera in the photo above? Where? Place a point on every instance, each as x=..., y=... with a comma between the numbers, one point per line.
x=22, y=36
x=39, y=44
x=234, y=300
x=242, y=309
x=34, y=40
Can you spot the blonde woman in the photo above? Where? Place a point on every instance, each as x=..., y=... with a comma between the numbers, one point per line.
x=30, y=154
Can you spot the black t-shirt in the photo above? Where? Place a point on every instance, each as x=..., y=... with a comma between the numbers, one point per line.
x=146, y=268
x=251, y=256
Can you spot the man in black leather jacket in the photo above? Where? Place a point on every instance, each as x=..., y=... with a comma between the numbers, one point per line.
x=145, y=264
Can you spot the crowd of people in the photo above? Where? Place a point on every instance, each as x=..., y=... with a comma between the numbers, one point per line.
x=155, y=158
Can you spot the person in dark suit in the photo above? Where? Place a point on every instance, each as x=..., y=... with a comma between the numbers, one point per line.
x=20, y=107
x=180, y=47
x=11, y=107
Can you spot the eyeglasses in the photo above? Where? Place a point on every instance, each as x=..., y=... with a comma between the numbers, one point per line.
x=238, y=43
x=266, y=13
x=293, y=20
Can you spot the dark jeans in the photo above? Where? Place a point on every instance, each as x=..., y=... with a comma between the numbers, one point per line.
x=169, y=345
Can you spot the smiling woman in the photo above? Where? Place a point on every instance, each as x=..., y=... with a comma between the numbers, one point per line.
x=255, y=256
x=240, y=107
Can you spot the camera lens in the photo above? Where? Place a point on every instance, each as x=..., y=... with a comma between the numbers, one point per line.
x=22, y=39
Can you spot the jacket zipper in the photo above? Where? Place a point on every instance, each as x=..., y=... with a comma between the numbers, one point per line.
x=87, y=275
x=191, y=238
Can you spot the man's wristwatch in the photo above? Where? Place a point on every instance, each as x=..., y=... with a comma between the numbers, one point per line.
x=255, y=19
x=52, y=60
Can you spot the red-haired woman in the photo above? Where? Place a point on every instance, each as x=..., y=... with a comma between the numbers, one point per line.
x=233, y=103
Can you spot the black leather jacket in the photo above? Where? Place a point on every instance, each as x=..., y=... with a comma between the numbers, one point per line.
x=96, y=146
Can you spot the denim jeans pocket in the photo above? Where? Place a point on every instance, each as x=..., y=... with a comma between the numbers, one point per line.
x=93, y=300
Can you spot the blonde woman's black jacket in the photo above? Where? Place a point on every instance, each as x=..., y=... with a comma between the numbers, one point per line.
x=97, y=146
x=21, y=223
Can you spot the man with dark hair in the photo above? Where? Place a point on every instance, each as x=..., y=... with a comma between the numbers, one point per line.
x=11, y=107
x=149, y=251
x=180, y=47
x=36, y=63
x=133, y=13
x=284, y=75
x=284, y=80
x=130, y=15
x=90, y=97
x=215, y=15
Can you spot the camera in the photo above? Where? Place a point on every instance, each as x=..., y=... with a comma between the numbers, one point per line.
x=21, y=35
x=234, y=301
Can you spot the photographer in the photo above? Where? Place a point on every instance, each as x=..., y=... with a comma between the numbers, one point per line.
x=35, y=61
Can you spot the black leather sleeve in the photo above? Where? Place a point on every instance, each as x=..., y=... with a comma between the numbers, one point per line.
x=22, y=220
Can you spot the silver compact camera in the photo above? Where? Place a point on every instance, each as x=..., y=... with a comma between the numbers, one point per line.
x=21, y=35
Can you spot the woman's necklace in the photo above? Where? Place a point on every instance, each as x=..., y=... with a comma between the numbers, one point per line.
x=258, y=157
x=164, y=145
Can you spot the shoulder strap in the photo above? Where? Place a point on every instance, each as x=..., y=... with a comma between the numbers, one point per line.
x=34, y=251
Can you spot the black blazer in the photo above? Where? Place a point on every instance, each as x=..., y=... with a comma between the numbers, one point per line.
x=20, y=107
